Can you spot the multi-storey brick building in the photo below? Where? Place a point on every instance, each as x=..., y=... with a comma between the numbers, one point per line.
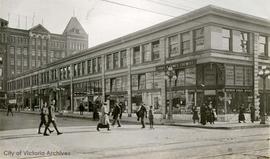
x=215, y=55
x=24, y=50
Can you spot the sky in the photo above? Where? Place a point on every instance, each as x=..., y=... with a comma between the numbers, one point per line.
x=105, y=20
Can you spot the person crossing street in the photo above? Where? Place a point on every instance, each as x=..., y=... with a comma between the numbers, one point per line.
x=51, y=119
x=43, y=114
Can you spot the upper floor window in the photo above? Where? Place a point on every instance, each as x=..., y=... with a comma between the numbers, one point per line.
x=123, y=58
x=99, y=64
x=136, y=55
x=25, y=51
x=94, y=62
x=199, y=39
x=1, y=60
x=109, y=62
x=185, y=42
x=12, y=50
x=155, y=50
x=89, y=66
x=75, y=70
x=262, y=45
x=173, y=46
x=116, y=60
x=146, y=52
x=226, y=39
x=83, y=67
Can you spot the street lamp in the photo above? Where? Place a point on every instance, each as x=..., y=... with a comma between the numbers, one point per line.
x=170, y=75
x=264, y=73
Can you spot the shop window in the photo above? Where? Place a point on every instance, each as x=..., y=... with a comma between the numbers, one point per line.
x=173, y=46
x=136, y=55
x=135, y=82
x=262, y=45
x=185, y=42
x=142, y=81
x=155, y=50
x=68, y=71
x=146, y=52
x=226, y=39
x=107, y=85
x=199, y=39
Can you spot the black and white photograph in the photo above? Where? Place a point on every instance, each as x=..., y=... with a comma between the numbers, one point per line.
x=134, y=79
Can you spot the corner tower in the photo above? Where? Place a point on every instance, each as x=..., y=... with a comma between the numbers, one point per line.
x=76, y=37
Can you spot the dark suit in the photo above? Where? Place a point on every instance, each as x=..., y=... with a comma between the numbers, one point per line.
x=51, y=119
x=142, y=113
x=116, y=115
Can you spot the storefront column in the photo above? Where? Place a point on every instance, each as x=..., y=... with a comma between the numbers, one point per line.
x=163, y=54
x=103, y=77
x=255, y=75
x=163, y=96
x=129, y=87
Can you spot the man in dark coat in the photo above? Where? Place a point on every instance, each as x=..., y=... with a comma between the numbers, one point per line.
x=116, y=115
x=51, y=119
x=252, y=114
x=203, y=114
x=9, y=109
x=142, y=112
x=81, y=108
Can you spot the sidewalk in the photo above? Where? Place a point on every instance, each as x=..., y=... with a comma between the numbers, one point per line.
x=175, y=122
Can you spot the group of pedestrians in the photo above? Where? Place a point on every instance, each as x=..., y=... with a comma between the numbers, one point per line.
x=47, y=116
x=104, y=121
x=208, y=114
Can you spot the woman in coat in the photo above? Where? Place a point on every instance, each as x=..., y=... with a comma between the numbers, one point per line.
x=104, y=121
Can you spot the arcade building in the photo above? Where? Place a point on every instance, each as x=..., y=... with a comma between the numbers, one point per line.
x=213, y=54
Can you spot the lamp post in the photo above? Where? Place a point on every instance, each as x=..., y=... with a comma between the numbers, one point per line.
x=264, y=72
x=170, y=75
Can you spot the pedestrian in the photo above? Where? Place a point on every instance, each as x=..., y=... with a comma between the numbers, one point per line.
x=252, y=113
x=151, y=117
x=214, y=115
x=9, y=109
x=104, y=121
x=203, y=114
x=116, y=115
x=51, y=119
x=241, y=115
x=195, y=115
x=142, y=113
x=43, y=114
x=81, y=108
x=95, y=112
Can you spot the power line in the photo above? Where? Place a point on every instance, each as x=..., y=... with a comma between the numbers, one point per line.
x=168, y=5
x=186, y=6
x=146, y=10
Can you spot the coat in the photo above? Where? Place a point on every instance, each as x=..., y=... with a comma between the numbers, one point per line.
x=104, y=119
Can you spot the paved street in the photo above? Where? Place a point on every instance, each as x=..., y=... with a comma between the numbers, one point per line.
x=81, y=140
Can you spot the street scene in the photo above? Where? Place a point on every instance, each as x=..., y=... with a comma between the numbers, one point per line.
x=80, y=139
x=164, y=79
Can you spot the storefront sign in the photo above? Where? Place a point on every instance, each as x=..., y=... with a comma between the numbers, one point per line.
x=176, y=65
x=239, y=75
x=209, y=92
x=229, y=69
